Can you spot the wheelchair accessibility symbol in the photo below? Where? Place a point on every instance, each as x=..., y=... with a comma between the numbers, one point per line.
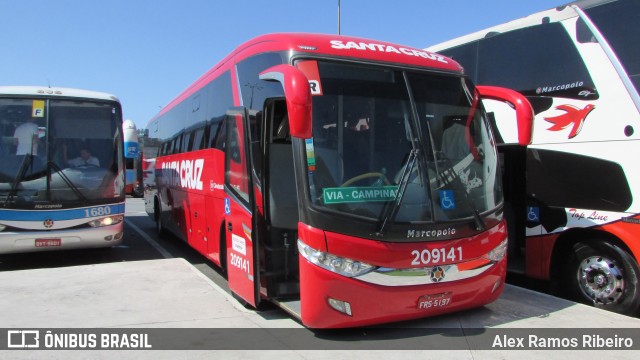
x=447, y=202
x=227, y=206
x=533, y=214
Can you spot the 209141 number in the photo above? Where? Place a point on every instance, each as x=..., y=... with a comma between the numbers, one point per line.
x=240, y=263
x=436, y=256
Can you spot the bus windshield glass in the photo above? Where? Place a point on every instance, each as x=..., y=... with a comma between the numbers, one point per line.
x=400, y=146
x=60, y=152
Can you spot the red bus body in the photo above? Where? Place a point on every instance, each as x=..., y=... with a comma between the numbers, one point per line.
x=243, y=153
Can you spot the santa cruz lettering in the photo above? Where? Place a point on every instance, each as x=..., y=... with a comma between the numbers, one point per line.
x=548, y=89
x=338, y=44
x=185, y=173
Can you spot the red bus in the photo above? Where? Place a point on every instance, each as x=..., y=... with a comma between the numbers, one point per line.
x=349, y=181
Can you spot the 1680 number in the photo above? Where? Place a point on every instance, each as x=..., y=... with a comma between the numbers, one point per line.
x=97, y=211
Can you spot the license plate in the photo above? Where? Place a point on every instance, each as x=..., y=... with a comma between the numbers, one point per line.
x=434, y=301
x=48, y=242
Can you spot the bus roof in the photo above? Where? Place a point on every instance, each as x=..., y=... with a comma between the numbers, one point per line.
x=344, y=46
x=347, y=47
x=551, y=15
x=55, y=92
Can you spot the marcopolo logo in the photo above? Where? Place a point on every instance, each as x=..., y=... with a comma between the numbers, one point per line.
x=548, y=89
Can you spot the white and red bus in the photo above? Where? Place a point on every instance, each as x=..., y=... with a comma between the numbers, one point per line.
x=349, y=181
x=573, y=193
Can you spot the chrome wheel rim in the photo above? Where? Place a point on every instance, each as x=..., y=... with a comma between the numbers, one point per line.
x=601, y=279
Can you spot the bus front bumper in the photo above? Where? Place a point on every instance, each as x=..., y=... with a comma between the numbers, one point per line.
x=329, y=300
x=34, y=241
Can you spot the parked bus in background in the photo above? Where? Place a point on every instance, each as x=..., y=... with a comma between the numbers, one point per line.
x=349, y=181
x=62, y=173
x=574, y=193
x=150, y=148
x=133, y=160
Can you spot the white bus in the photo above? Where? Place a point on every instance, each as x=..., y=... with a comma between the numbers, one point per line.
x=132, y=160
x=573, y=194
x=62, y=172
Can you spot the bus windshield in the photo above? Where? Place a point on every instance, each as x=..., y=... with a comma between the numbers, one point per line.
x=400, y=146
x=60, y=152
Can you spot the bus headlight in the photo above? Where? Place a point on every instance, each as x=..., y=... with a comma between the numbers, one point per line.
x=106, y=221
x=2, y=227
x=343, y=266
x=498, y=252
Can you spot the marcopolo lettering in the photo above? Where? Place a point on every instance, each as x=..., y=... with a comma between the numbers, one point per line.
x=548, y=89
x=185, y=173
x=430, y=233
x=338, y=44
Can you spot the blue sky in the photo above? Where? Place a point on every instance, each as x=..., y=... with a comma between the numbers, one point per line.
x=147, y=51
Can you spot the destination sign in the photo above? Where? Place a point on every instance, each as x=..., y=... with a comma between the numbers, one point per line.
x=359, y=194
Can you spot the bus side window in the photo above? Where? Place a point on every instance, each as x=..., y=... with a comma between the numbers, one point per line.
x=221, y=136
x=198, y=139
x=177, y=144
x=213, y=133
x=164, y=149
x=186, y=142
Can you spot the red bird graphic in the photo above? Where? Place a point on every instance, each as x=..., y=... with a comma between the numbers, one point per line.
x=573, y=115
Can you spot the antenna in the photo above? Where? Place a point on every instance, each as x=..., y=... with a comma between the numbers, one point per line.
x=338, y=17
x=48, y=83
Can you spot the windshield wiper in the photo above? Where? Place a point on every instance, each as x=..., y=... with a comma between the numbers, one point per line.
x=26, y=162
x=67, y=181
x=392, y=209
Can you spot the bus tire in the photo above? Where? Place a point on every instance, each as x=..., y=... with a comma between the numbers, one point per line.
x=137, y=193
x=160, y=229
x=604, y=275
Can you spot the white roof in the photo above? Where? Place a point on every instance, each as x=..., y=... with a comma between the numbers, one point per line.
x=55, y=91
x=551, y=15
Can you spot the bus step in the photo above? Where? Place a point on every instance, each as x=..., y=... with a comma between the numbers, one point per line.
x=290, y=306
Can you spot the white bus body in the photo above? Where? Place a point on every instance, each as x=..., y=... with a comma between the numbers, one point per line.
x=51, y=198
x=573, y=195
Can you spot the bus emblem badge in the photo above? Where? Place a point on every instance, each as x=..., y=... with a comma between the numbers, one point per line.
x=437, y=274
x=48, y=223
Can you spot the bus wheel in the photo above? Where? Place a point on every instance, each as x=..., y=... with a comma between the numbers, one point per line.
x=160, y=230
x=137, y=193
x=605, y=276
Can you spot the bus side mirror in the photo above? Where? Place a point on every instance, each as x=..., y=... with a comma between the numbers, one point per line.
x=298, y=97
x=517, y=101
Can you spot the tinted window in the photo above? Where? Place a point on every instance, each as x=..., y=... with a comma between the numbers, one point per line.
x=218, y=97
x=538, y=60
x=617, y=21
x=213, y=133
x=254, y=91
x=208, y=104
x=198, y=139
x=219, y=141
x=467, y=56
x=572, y=181
x=186, y=142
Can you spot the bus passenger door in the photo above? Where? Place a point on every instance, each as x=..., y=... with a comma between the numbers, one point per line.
x=239, y=205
